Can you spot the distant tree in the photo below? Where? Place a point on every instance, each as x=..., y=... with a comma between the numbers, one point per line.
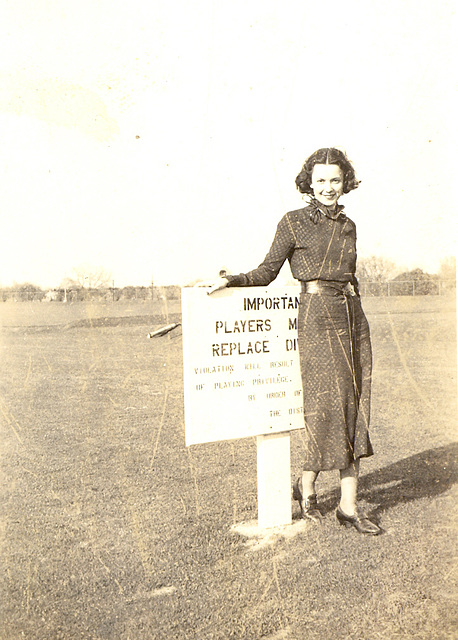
x=143, y=293
x=376, y=269
x=68, y=290
x=415, y=282
x=374, y=272
x=447, y=270
x=172, y=292
x=128, y=293
x=27, y=291
x=91, y=277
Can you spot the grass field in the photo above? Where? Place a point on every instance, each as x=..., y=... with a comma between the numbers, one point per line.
x=112, y=529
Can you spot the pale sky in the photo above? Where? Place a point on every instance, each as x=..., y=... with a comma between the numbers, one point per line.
x=161, y=140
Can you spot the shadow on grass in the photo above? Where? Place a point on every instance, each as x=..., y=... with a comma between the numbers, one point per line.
x=423, y=475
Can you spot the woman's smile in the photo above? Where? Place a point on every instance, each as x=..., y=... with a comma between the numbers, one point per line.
x=327, y=183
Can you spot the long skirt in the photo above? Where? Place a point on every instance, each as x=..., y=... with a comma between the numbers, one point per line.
x=336, y=367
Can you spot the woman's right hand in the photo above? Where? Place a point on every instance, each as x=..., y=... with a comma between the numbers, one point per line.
x=214, y=285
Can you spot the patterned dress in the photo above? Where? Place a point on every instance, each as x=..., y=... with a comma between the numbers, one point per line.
x=333, y=333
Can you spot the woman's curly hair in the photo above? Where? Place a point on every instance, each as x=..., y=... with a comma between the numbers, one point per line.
x=328, y=155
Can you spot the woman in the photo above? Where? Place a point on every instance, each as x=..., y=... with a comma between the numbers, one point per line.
x=333, y=335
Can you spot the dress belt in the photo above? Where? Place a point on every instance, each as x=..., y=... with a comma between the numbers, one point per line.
x=328, y=287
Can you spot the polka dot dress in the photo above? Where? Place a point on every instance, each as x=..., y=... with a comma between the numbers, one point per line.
x=336, y=380
x=333, y=334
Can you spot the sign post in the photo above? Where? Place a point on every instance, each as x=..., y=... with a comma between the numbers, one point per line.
x=274, y=480
x=242, y=379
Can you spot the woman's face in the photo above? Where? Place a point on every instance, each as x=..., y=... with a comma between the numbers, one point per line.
x=327, y=183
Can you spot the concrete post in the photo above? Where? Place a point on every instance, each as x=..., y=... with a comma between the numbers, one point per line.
x=274, y=480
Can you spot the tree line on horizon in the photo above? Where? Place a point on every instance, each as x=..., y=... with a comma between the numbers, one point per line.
x=30, y=292
x=377, y=276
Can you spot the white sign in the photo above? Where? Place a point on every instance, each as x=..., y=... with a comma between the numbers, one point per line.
x=240, y=362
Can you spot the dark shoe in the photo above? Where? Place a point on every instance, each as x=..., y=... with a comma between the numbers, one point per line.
x=359, y=521
x=309, y=506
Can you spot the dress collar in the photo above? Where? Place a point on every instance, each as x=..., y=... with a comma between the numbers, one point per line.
x=317, y=210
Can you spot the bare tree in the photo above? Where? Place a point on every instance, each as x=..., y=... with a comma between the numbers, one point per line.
x=376, y=269
x=447, y=274
x=91, y=277
x=69, y=283
x=447, y=269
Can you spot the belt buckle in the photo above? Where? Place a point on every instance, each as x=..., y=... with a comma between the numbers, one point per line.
x=313, y=286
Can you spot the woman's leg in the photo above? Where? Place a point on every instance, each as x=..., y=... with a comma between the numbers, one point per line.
x=308, y=483
x=304, y=493
x=349, y=488
x=347, y=513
